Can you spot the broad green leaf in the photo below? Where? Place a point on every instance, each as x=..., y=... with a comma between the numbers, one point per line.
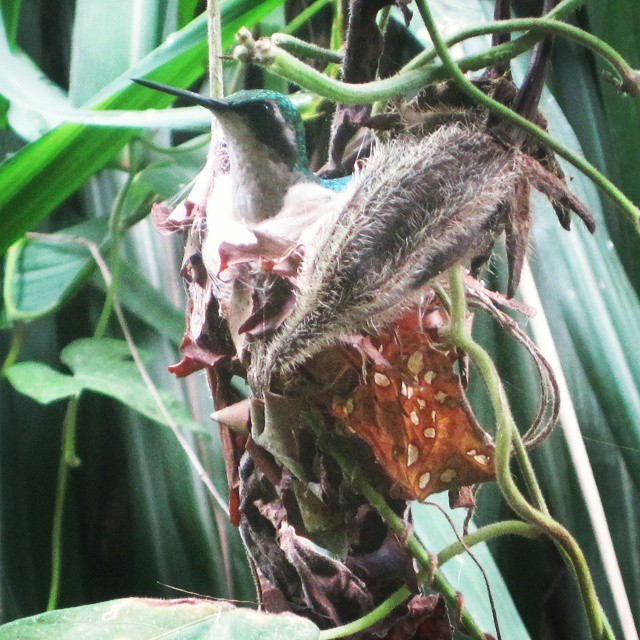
x=104, y=366
x=149, y=619
x=37, y=105
x=149, y=304
x=186, y=10
x=128, y=30
x=10, y=14
x=620, y=27
x=45, y=172
x=41, y=383
x=40, y=276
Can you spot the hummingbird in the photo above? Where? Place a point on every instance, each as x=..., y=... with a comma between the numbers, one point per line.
x=265, y=139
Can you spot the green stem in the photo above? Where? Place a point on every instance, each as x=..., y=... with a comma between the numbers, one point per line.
x=373, y=617
x=237, y=78
x=505, y=430
x=68, y=460
x=484, y=534
x=526, y=125
x=280, y=62
x=383, y=18
x=537, y=26
x=105, y=315
x=304, y=16
x=528, y=473
x=458, y=310
x=396, y=525
x=304, y=49
x=118, y=225
x=17, y=340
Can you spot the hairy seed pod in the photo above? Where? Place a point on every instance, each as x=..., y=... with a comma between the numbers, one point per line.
x=419, y=207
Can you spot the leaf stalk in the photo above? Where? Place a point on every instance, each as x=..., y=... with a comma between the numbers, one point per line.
x=505, y=436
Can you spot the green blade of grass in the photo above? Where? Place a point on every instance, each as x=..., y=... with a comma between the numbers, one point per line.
x=42, y=174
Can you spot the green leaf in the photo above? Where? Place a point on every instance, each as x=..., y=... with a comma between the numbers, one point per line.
x=163, y=179
x=149, y=304
x=41, y=383
x=37, y=105
x=104, y=366
x=41, y=276
x=127, y=30
x=152, y=619
x=621, y=114
x=186, y=10
x=10, y=14
x=45, y=172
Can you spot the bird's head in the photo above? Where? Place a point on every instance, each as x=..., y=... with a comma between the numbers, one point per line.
x=257, y=122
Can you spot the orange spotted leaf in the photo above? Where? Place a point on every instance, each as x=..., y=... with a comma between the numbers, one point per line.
x=414, y=415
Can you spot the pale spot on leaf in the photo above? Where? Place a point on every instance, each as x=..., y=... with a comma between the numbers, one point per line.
x=448, y=475
x=415, y=363
x=381, y=380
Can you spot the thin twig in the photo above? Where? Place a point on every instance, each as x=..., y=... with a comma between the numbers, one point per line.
x=106, y=275
x=214, y=32
x=470, y=553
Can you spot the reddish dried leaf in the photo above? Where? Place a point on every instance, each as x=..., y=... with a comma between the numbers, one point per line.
x=194, y=358
x=251, y=246
x=414, y=416
x=270, y=312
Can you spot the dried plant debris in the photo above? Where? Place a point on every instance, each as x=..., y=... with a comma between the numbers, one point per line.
x=293, y=574
x=364, y=46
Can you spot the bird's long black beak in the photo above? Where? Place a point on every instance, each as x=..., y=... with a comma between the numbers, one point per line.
x=190, y=96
